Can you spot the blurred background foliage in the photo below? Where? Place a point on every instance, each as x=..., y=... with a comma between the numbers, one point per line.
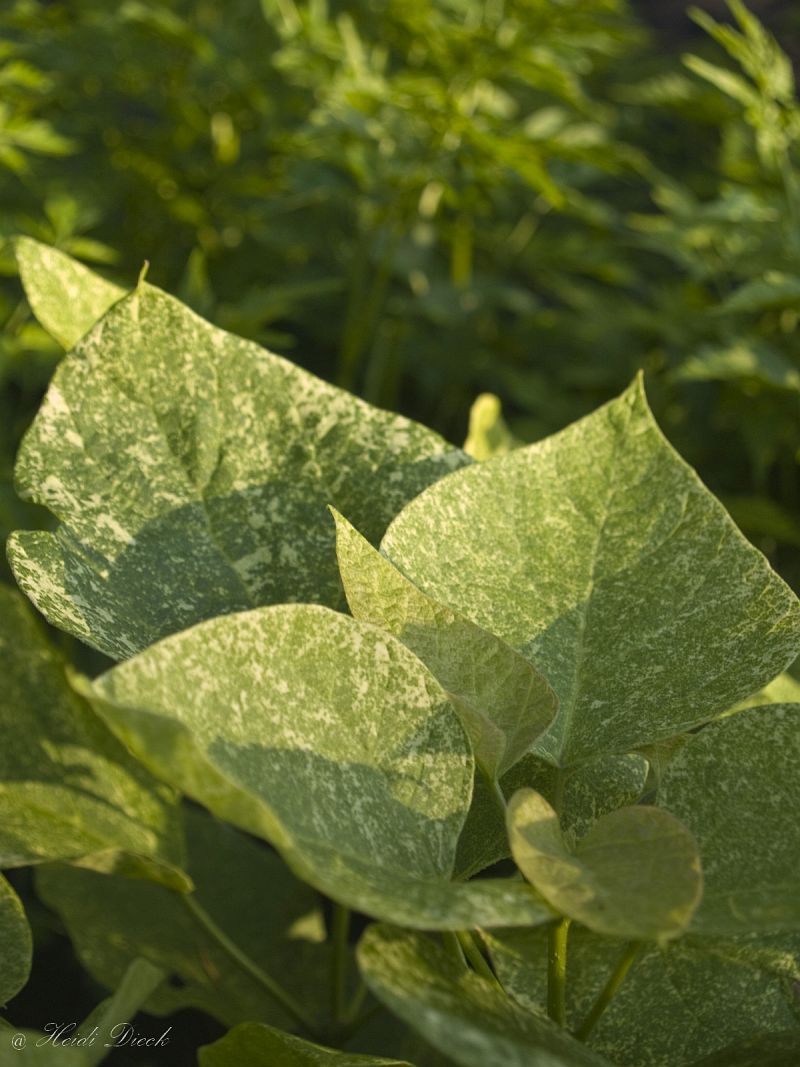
x=424, y=200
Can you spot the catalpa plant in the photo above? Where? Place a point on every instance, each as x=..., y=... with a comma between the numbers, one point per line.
x=525, y=718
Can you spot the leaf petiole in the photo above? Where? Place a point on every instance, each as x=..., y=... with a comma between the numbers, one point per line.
x=351, y=1015
x=466, y=939
x=557, y=972
x=249, y=966
x=609, y=991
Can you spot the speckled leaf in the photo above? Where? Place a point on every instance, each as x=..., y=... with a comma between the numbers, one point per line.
x=66, y=297
x=784, y=689
x=248, y=892
x=330, y=739
x=635, y=874
x=16, y=947
x=736, y=785
x=503, y=701
x=190, y=471
x=769, y=1050
x=674, y=1006
x=584, y=794
x=774, y=953
x=262, y=1046
x=600, y=555
x=68, y=789
x=483, y=840
x=659, y=755
x=458, y=1012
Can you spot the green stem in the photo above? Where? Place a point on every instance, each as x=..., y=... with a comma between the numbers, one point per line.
x=609, y=990
x=362, y=1020
x=356, y=1004
x=340, y=929
x=557, y=972
x=17, y=317
x=453, y=946
x=467, y=941
x=500, y=796
x=353, y=1018
x=243, y=961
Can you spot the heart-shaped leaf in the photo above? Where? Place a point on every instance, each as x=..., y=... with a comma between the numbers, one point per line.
x=249, y=894
x=599, y=554
x=190, y=471
x=458, y=1012
x=17, y=946
x=635, y=874
x=504, y=703
x=66, y=297
x=262, y=1046
x=736, y=787
x=68, y=789
x=330, y=739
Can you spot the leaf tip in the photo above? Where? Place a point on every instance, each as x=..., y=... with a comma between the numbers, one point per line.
x=637, y=386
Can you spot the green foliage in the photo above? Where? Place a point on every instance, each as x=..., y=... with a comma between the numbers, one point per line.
x=575, y=550
x=751, y=879
x=301, y=709
x=635, y=874
x=488, y=434
x=204, y=474
x=504, y=703
x=471, y=1021
x=531, y=704
x=595, y=562
x=15, y=935
x=526, y=198
x=92, y=1037
x=262, y=1046
x=676, y=1005
x=70, y=790
x=779, y=1050
x=222, y=170
x=66, y=297
x=113, y=921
